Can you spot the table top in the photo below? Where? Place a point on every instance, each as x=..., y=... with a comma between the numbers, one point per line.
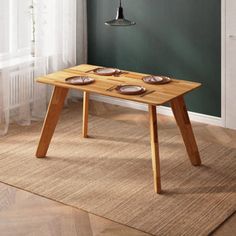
x=163, y=92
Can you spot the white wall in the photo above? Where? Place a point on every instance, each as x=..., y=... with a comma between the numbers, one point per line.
x=230, y=63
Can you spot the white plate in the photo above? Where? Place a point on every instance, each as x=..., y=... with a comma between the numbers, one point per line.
x=79, y=80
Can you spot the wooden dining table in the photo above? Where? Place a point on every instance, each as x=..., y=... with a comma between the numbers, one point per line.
x=172, y=93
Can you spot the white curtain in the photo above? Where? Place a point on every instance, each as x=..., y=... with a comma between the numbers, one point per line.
x=38, y=37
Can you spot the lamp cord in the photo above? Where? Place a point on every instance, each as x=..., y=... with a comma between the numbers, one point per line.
x=120, y=3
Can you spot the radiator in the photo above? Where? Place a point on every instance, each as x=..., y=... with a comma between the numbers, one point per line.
x=21, y=87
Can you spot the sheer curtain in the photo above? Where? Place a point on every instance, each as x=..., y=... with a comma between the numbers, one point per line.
x=39, y=37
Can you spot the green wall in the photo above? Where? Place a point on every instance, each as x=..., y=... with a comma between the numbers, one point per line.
x=180, y=38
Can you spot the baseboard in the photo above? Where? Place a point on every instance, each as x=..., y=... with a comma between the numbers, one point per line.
x=202, y=118
x=198, y=117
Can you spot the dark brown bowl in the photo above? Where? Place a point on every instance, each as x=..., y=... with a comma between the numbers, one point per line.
x=138, y=92
x=106, y=74
x=79, y=80
x=165, y=80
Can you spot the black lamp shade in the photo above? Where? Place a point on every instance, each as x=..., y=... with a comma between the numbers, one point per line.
x=120, y=19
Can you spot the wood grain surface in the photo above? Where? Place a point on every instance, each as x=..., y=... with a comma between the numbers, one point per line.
x=164, y=93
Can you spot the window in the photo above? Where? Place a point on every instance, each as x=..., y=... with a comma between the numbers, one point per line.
x=15, y=28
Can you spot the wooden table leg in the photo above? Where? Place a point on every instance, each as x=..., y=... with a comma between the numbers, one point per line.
x=155, y=148
x=181, y=115
x=85, y=114
x=55, y=106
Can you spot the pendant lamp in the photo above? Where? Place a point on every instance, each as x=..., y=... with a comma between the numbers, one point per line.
x=120, y=19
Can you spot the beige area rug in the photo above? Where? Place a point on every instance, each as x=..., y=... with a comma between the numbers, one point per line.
x=110, y=175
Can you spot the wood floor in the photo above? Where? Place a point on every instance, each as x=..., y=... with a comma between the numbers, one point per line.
x=24, y=213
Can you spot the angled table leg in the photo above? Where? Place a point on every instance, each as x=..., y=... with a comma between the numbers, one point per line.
x=155, y=148
x=55, y=106
x=181, y=115
x=85, y=114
